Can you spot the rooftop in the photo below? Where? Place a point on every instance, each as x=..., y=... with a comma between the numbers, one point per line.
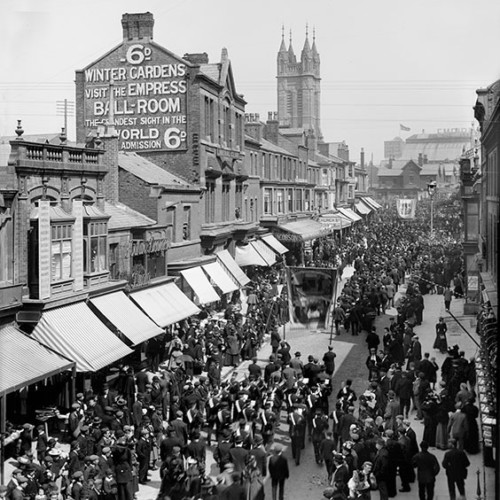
x=123, y=217
x=148, y=171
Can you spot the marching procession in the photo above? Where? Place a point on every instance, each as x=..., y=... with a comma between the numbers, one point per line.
x=192, y=405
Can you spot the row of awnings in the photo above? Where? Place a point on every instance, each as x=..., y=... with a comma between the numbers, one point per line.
x=90, y=336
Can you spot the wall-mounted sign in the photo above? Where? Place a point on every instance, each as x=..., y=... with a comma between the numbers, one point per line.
x=149, y=89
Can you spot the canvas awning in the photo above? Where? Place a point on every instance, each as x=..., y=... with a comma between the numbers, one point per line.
x=349, y=214
x=363, y=208
x=24, y=361
x=227, y=261
x=267, y=253
x=247, y=255
x=220, y=277
x=274, y=244
x=126, y=317
x=202, y=288
x=304, y=230
x=372, y=202
x=164, y=304
x=79, y=335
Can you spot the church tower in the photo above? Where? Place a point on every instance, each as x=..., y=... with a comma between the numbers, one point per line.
x=299, y=86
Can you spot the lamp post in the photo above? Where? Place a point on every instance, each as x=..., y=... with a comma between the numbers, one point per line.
x=431, y=189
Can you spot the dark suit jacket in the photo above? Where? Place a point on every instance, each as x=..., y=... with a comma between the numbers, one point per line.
x=278, y=467
x=427, y=467
x=238, y=455
x=122, y=458
x=455, y=463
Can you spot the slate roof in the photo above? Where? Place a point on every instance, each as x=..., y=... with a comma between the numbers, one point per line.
x=389, y=172
x=211, y=70
x=148, y=171
x=273, y=147
x=123, y=217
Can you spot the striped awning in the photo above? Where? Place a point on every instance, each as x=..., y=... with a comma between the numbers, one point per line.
x=375, y=205
x=227, y=261
x=266, y=252
x=24, y=361
x=362, y=208
x=274, y=244
x=126, y=317
x=246, y=255
x=349, y=214
x=78, y=334
x=200, y=285
x=220, y=277
x=164, y=304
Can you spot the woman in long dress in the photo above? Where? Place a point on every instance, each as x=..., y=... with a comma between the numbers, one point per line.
x=471, y=442
x=441, y=342
x=442, y=418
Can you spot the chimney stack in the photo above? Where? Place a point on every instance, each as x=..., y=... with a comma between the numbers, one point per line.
x=362, y=160
x=420, y=159
x=138, y=26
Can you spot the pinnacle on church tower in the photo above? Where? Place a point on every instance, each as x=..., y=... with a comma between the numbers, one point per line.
x=283, y=45
x=306, y=51
x=291, y=54
x=314, y=49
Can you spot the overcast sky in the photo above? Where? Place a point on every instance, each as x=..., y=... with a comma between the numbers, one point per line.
x=383, y=62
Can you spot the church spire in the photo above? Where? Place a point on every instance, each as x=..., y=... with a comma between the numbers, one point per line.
x=307, y=49
x=291, y=54
x=283, y=45
x=315, y=53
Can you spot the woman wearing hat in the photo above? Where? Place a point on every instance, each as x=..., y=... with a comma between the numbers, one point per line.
x=440, y=342
x=362, y=482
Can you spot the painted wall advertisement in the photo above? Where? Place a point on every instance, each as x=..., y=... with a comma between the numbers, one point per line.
x=148, y=94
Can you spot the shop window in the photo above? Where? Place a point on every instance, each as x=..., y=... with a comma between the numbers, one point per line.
x=95, y=244
x=61, y=235
x=155, y=265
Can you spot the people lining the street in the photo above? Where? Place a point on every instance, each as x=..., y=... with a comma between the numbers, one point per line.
x=171, y=414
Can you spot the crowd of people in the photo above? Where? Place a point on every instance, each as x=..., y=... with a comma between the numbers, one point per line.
x=166, y=416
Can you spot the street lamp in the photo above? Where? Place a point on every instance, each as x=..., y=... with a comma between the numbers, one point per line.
x=431, y=189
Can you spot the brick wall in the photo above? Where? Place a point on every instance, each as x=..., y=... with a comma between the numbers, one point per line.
x=135, y=193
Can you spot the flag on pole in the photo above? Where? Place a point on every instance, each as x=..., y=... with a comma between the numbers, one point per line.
x=405, y=129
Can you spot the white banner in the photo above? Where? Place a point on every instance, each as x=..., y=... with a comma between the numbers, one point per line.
x=406, y=207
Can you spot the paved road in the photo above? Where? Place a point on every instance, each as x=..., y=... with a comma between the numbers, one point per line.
x=308, y=480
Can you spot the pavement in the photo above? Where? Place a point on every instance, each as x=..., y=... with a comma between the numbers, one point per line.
x=308, y=480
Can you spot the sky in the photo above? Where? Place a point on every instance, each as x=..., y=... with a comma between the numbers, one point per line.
x=384, y=63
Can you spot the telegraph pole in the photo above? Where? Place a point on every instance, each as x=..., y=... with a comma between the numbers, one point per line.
x=65, y=108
